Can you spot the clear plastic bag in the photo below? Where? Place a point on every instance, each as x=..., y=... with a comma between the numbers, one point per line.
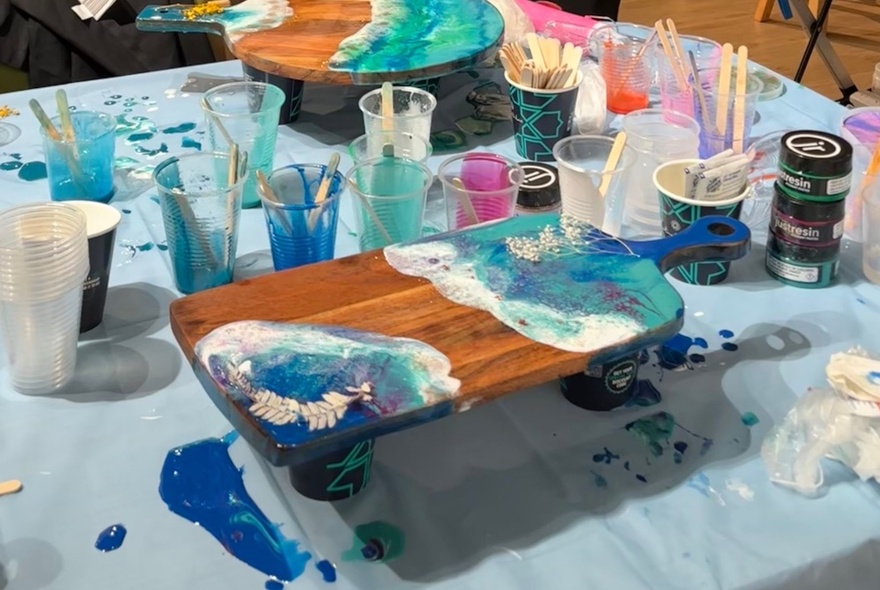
x=590, y=111
x=840, y=423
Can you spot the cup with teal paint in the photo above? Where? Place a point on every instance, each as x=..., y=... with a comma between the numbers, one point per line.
x=248, y=112
x=301, y=231
x=200, y=211
x=81, y=168
x=389, y=197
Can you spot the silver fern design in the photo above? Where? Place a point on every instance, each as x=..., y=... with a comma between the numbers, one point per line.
x=279, y=410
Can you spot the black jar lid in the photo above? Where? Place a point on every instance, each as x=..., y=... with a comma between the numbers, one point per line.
x=816, y=153
x=540, y=186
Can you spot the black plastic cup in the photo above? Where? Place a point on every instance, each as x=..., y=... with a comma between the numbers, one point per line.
x=541, y=118
x=603, y=387
x=292, y=89
x=101, y=222
x=335, y=476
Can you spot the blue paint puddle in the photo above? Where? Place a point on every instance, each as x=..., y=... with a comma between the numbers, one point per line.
x=15, y=156
x=111, y=538
x=725, y=333
x=653, y=430
x=127, y=211
x=274, y=585
x=136, y=137
x=162, y=149
x=199, y=482
x=642, y=478
x=645, y=395
x=188, y=142
x=749, y=419
x=155, y=199
x=701, y=342
x=327, y=569
x=600, y=481
x=729, y=346
x=605, y=457
x=697, y=358
x=182, y=128
x=11, y=165
x=162, y=247
x=626, y=465
x=673, y=353
x=32, y=171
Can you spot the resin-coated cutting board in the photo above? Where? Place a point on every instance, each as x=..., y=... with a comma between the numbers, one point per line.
x=347, y=42
x=618, y=282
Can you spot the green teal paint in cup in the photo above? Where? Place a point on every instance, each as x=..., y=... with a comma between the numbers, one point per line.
x=249, y=112
x=389, y=197
x=301, y=232
x=82, y=170
x=200, y=211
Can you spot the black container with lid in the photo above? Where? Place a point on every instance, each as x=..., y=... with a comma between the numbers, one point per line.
x=539, y=191
x=603, y=387
x=790, y=204
x=815, y=166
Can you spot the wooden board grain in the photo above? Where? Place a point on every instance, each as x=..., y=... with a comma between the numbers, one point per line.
x=298, y=39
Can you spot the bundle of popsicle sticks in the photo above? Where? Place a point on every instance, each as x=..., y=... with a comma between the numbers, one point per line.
x=684, y=68
x=550, y=65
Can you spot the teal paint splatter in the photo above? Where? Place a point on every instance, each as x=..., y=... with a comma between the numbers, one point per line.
x=642, y=478
x=150, y=153
x=376, y=541
x=749, y=419
x=127, y=211
x=645, y=395
x=327, y=569
x=136, y=137
x=155, y=199
x=162, y=247
x=654, y=431
x=599, y=481
x=605, y=457
x=188, y=142
x=15, y=156
x=134, y=124
x=32, y=171
x=182, y=128
x=11, y=165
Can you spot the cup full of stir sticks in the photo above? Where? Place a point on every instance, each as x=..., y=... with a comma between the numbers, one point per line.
x=543, y=86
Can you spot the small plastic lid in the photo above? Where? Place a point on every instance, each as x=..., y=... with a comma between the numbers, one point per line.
x=816, y=153
x=540, y=186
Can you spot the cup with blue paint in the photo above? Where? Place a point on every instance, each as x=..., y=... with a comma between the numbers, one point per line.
x=81, y=167
x=302, y=231
x=201, y=206
x=389, y=198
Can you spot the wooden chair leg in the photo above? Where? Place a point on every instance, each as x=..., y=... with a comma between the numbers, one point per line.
x=763, y=10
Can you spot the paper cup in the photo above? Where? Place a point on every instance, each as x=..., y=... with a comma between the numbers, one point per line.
x=541, y=118
x=678, y=213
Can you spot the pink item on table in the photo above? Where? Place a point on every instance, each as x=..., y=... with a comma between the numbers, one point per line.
x=557, y=23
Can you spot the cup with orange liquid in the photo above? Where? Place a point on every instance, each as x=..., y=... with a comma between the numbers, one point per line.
x=627, y=74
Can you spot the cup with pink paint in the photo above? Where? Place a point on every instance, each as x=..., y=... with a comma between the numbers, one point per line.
x=479, y=187
x=677, y=83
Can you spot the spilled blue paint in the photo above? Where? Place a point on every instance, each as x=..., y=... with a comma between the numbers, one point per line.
x=749, y=419
x=274, y=585
x=111, y=538
x=15, y=156
x=11, y=165
x=162, y=149
x=725, y=333
x=32, y=171
x=189, y=142
x=874, y=377
x=697, y=358
x=605, y=457
x=644, y=395
x=673, y=353
x=600, y=481
x=162, y=247
x=155, y=199
x=642, y=478
x=729, y=346
x=127, y=211
x=182, y=128
x=653, y=430
x=377, y=541
x=199, y=482
x=327, y=569
x=136, y=137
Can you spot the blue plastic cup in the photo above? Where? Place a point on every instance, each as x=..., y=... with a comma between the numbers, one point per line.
x=200, y=211
x=82, y=169
x=301, y=231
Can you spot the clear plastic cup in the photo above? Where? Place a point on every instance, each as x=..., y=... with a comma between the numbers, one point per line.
x=479, y=187
x=712, y=140
x=581, y=160
x=655, y=137
x=871, y=233
x=627, y=76
x=200, y=211
x=300, y=231
x=403, y=144
x=861, y=180
x=389, y=198
x=82, y=169
x=44, y=259
x=413, y=111
x=249, y=112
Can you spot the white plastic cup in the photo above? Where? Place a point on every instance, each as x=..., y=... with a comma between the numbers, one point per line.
x=43, y=261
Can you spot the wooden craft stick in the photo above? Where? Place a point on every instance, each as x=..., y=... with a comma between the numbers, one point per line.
x=375, y=218
x=44, y=120
x=66, y=123
x=574, y=64
x=266, y=190
x=66, y=150
x=701, y=96
x=611, y=163
x=676, y=45
x=323, y=189
x=464, y=198
x=387, y=97
x=552, y=56
x=673, y=63
x=13, y=486
x=535, y=49
x=723, y=90
x=739, y=99
x=528, y=75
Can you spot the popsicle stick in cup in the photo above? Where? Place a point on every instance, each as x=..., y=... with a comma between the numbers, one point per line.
x=701, y=95
x=387, y=106
x=723, y=90
x=464, y=198
x=739, y=99
x=611, y=162
x=67, y=151
x=374, y=218
x=323, y=189
x=266, y=190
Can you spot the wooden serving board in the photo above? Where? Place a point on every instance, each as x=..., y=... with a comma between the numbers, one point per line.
x=347, y=42
x=489, y=358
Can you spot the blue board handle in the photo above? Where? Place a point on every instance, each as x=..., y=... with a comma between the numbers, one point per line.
x=709, y=239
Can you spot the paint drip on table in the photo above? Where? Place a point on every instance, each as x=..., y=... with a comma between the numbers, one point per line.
x=554, y=280
x=403, y=36
x=111, y=538
x=200, y=483
x=299, y=381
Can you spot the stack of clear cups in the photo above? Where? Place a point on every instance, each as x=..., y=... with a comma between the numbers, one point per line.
x=44, y=259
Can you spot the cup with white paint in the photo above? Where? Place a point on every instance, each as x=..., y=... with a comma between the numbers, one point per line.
x=44, y=259
x=581, y=163
x=413, y=111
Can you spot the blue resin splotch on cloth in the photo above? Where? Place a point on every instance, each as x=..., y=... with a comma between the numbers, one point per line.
x=405, y=35
x=303, y=381
x=587, y=291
